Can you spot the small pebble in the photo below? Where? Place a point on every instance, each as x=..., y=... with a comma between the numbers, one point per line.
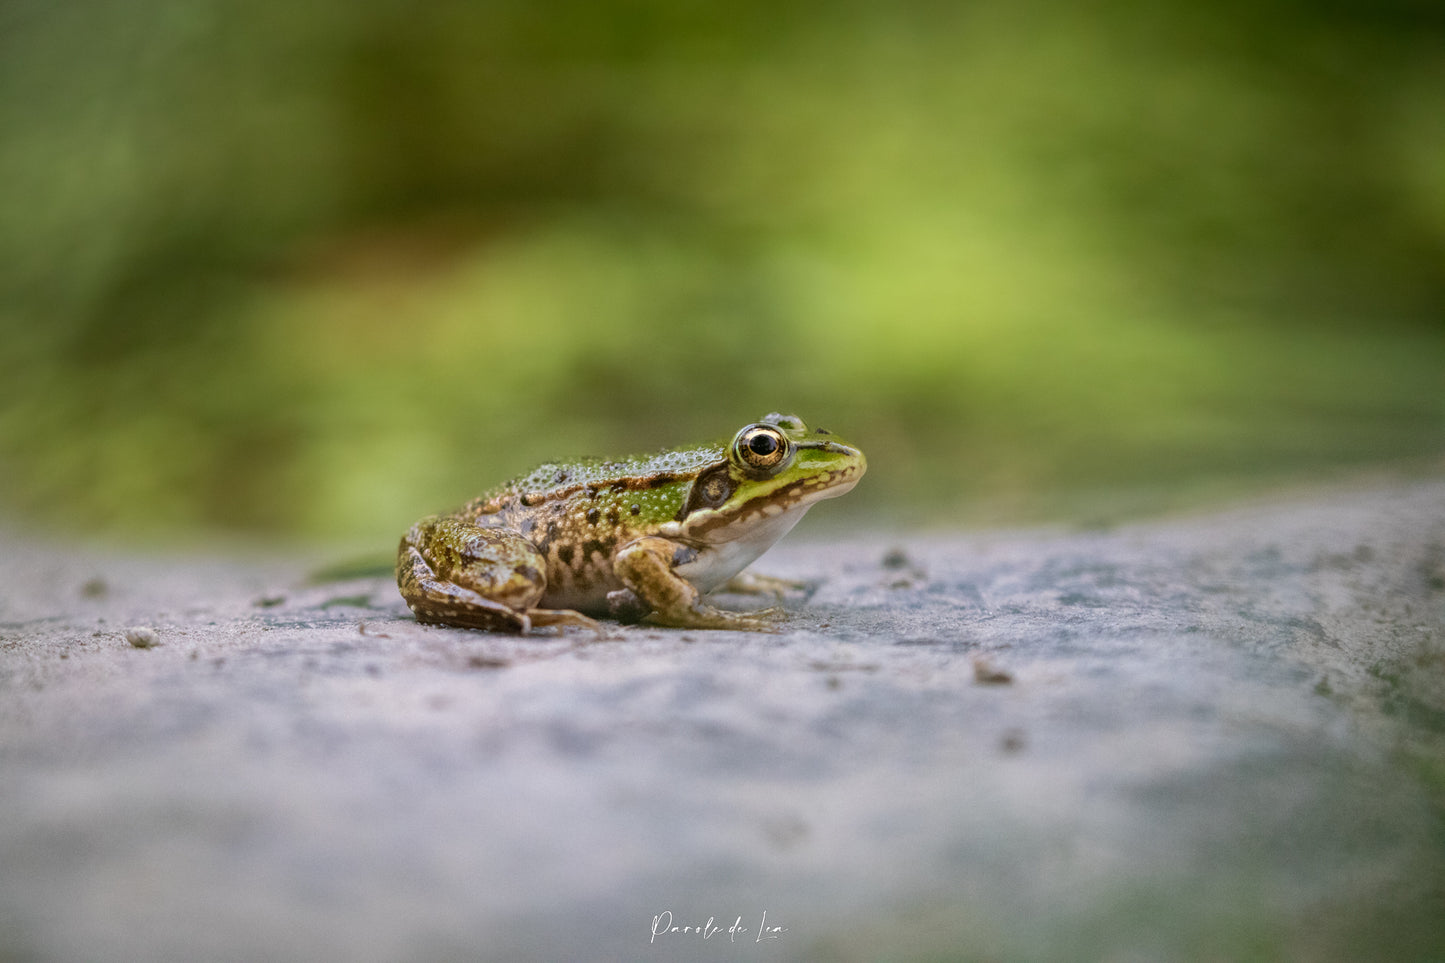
x=987, y=673
x=142, y=637
x=896, y=558
x=909, y=574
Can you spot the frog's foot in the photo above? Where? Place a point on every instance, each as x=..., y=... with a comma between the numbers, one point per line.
x=704, y=616
x=751, y=583
x=624, y=606
x=645, y=567
x=564, y=617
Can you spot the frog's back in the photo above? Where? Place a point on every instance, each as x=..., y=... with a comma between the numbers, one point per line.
x=578, y=513
x=562, y=480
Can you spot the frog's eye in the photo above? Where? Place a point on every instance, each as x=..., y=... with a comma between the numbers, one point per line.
x=762, y=449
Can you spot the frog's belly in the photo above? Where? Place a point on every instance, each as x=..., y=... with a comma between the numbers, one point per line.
x=582, y=587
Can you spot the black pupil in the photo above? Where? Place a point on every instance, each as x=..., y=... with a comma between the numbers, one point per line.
x=762, y=445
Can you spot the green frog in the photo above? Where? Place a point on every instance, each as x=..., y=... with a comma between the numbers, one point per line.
x=640, y=537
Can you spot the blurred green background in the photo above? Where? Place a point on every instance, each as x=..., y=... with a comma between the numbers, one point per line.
x=316, y=269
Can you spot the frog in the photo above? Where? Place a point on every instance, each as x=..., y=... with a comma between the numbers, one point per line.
x=641, y=538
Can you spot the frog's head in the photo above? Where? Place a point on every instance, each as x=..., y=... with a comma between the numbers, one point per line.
x=774, y=471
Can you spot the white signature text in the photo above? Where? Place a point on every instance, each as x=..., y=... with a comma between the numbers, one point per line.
x=663, y=924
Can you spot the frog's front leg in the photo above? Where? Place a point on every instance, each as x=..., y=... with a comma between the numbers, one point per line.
x=646, y=568
x=452, y=572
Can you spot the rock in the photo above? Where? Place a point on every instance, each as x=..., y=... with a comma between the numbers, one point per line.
x=142, y=637
x=1230, y=745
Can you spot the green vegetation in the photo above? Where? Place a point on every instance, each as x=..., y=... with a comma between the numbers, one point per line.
x=320, y=268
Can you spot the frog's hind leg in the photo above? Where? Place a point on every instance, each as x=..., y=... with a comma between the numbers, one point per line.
x=453, y=572
x=436, y=601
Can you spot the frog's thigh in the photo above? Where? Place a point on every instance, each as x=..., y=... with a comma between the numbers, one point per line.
x=645, y=567
x=455, y=572
x=438, y=601
x=496, y=563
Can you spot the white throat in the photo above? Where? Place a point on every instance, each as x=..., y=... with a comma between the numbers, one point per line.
x=719, y=561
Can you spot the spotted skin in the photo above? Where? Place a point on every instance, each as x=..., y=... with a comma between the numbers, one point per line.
x=648, y=535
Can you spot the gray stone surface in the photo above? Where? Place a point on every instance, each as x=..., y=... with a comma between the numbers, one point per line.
x=1219, y=737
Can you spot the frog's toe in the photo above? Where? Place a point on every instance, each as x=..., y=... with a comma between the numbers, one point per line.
x=708, y=617
x=751, y=583
x=562, y=618
x=769, y=619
